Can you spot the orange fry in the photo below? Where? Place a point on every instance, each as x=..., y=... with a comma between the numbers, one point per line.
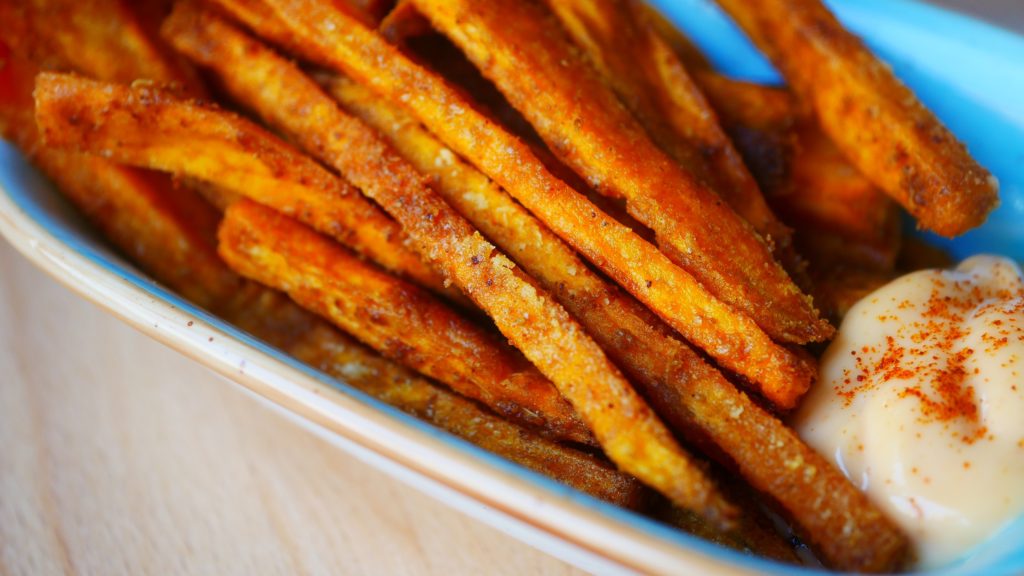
x=627, y=430
x=170, y=234
x=620, y=39
x=874, y=119
x=393, y=317
x=690, y=395
x=142, y=128
x=519, y=46
x=327, y=350
x=838, y=213
x=342, y=43
x=114, y=47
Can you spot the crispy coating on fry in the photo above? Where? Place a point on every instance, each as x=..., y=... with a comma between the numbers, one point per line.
x=625, y=427
x=333, y=353
x=123, y=203
x=402, y=22
x=692, y=397
x=845, y=226
x=393, y=317
x=731, y=338
x=520, y=47
x=75, y=38
x=805, y=177
x=840, y=213
x=145, y=127
x=170, y=234
x=620, y=40
x=874, y=119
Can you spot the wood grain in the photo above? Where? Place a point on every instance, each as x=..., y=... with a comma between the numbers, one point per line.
x=119, y=456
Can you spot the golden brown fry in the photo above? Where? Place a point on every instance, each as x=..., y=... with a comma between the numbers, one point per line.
x=623, y=424
x=143, y=127
x=838, y=213
x=690, y=395
x=402, y=22
x=325, y=349
x=874, y=119
x=731, y=338
x=842, y=215
x=620, y=39
x=122, y=202
x=394, y=318
x=520, y=47
x=170, y=234
x=106, y=39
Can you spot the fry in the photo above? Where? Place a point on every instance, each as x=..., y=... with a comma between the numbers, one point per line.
x=522, y=50
x=623, y=424
x=334, y=354
x=117, y=199
x=396, y=319
x=402, y=22
x=170, y=235
x=874, y=119
x=731, y=338
x=839, y=210
x=839, y=214
x=690, y=395
x=620, y=40
x=142, y=128
x=77, y=38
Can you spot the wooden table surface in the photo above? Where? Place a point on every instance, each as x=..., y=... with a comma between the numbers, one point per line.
x=119, y=456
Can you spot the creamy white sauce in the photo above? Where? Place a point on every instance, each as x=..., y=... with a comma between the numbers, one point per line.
x=921, y=403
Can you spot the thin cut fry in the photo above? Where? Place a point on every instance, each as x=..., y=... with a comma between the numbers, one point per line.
x=331, y=38
x=170, y=235
x=520, y=47
x=394, y=318
x=809, y=181
x=142, y=128
x=690, y=395
x=331, y=352
x=632, y=58
x=78, y=38
x=874, y=119
x=627, y=430
x=116, y=198
x=402, y=22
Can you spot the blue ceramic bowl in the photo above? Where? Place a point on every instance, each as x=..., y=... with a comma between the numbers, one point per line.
x=971, y=74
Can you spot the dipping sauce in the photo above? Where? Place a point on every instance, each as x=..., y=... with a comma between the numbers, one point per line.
x=920, y=402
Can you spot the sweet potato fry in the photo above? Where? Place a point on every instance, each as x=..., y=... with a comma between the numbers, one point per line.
x=731, y=338
x=113, y=47
x=874, y=119
x=402, y=22
x=692, y=397
x=117, y=199
x=333, y=353
x=170, y=235
x=620, y=40
x=393, y=317
x=838, y=213
x=144, y=128
x=623, y=424
x=830, y=199
x=519, y=46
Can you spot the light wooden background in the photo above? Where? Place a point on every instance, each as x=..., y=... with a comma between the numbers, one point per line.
x=118, y=456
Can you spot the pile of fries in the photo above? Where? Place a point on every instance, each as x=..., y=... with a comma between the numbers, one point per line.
x=549, y=228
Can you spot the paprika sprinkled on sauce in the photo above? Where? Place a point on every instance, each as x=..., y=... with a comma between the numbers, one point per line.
x=920, y=402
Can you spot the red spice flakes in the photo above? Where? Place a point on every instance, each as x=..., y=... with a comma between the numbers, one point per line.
x=927, y=358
